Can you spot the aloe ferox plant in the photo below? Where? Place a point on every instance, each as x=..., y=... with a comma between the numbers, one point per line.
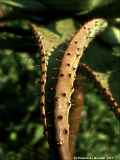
x=78, y=45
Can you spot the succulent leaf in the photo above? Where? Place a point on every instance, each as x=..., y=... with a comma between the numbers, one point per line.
x=105, y=92
x=66, y=77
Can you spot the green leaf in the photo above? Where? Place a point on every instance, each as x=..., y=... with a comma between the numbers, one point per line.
x=24, y=4
x=38, y=134
x=78, y=6
x=111, y=35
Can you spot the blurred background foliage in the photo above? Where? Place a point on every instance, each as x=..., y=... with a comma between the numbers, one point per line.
x=21, y=134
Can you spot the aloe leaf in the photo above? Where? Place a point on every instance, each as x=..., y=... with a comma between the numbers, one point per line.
x=77, y=101
x=53, y=38
x=66, y=78
x=105, y=92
